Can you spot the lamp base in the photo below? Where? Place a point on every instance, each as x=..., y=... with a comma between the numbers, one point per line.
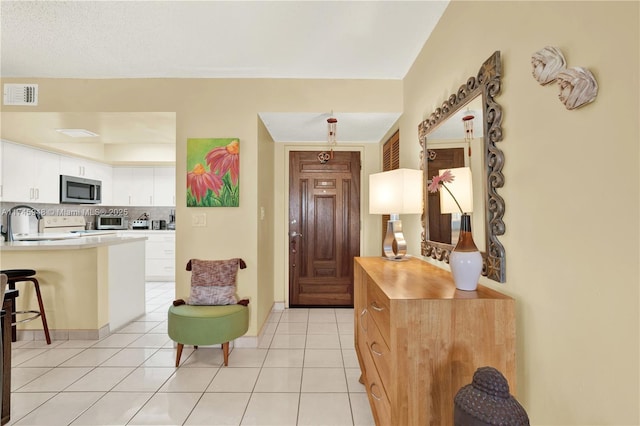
x=397, y=259
x=394, y=234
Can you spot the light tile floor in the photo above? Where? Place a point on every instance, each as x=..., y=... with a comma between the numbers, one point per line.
x=304, y=373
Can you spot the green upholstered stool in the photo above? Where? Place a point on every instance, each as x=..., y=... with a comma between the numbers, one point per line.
x=207, y=325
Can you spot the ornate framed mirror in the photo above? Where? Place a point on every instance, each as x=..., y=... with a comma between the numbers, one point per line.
x=478, y=150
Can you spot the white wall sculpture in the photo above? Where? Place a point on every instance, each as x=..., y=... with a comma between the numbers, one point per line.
x=577, y=85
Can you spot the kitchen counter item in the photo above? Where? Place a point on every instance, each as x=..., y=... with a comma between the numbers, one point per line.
x=21, y=220
x=54, y=228
x=158, y=224
x=140, y=224
x=20, y=225
x=61, y=224
x=112, y=222
x=172, y=220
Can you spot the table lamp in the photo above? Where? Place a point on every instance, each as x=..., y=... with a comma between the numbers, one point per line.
x=395, y=192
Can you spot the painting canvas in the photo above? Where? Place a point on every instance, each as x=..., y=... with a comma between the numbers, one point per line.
x=213, y=166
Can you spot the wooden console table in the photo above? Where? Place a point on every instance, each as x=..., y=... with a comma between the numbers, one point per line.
x=419, y=340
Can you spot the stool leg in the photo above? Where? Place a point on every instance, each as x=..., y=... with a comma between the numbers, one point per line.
x=179, y=354
x=12, y=286
x=225, y=351
x=42, y=315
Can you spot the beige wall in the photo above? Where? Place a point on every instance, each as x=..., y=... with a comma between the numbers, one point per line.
x=571, y=192
x=266, y=220
x=227, y=108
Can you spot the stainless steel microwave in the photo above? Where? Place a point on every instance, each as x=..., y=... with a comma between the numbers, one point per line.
x=77, y=190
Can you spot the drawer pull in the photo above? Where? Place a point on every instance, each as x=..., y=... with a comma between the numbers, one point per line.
x=373, y=350
x=362, y=319
x=375, y=307
x=376, y=397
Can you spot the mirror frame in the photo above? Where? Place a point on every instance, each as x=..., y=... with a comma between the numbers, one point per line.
x=487, y=83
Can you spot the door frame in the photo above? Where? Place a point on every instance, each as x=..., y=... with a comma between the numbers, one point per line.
x=364, y=189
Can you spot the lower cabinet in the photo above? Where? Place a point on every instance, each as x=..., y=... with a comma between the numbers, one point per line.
x=160, y=254
x=419, y=339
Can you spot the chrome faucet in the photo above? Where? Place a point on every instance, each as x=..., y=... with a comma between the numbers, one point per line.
x=9, y=236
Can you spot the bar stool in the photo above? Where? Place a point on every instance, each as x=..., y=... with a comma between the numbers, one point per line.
x=26, y=275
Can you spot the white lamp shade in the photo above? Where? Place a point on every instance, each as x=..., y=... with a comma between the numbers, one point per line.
x=396, y=192
x=461, y=188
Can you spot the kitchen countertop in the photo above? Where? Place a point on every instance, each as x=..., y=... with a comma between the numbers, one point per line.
x=154, y=231
x=84, y=242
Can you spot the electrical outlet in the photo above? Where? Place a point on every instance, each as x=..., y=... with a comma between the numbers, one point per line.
x=199, y=219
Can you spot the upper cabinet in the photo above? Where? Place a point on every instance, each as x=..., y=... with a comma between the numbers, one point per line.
x=144, y=186
x=29, y=175
x=164, y=186
x=133, y=186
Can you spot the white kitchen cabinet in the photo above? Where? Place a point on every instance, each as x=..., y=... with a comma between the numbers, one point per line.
x=30, y=175
x=160, y=254
x=132, y=186
x=104, y=173
x=164, y=186
x=160, y=262
x=144, y=186
x=74, y=166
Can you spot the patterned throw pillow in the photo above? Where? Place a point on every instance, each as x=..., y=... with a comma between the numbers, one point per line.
x=213, y=282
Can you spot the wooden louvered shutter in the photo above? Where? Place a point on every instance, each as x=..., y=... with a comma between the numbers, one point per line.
x=390, y=161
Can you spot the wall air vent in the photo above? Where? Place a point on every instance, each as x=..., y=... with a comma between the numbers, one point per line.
x=21, y=94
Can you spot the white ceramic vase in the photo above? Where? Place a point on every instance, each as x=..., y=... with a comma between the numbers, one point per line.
x=465, y=260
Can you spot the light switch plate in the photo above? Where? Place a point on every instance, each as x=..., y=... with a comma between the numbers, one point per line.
x=198, y=220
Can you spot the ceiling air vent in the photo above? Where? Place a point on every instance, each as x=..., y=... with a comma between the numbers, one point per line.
x=21, y=94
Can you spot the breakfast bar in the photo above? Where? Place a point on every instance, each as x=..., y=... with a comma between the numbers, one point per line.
x=91, y=285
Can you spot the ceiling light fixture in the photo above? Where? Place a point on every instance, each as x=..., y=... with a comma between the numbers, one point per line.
x=78, y=133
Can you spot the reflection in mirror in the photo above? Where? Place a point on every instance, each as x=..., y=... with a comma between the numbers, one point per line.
x=449, y=146
x=441, y=151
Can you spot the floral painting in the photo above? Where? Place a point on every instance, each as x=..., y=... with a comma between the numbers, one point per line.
x=213, y=171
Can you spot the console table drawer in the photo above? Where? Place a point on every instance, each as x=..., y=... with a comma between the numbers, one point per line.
x=380, y=354
x=378, y=306
x=376, y=391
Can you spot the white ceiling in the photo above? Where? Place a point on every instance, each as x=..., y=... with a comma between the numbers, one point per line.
x=224, y=39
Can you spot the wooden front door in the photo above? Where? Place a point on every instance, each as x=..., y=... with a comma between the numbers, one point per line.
x=324, y=228
x=440, y=224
